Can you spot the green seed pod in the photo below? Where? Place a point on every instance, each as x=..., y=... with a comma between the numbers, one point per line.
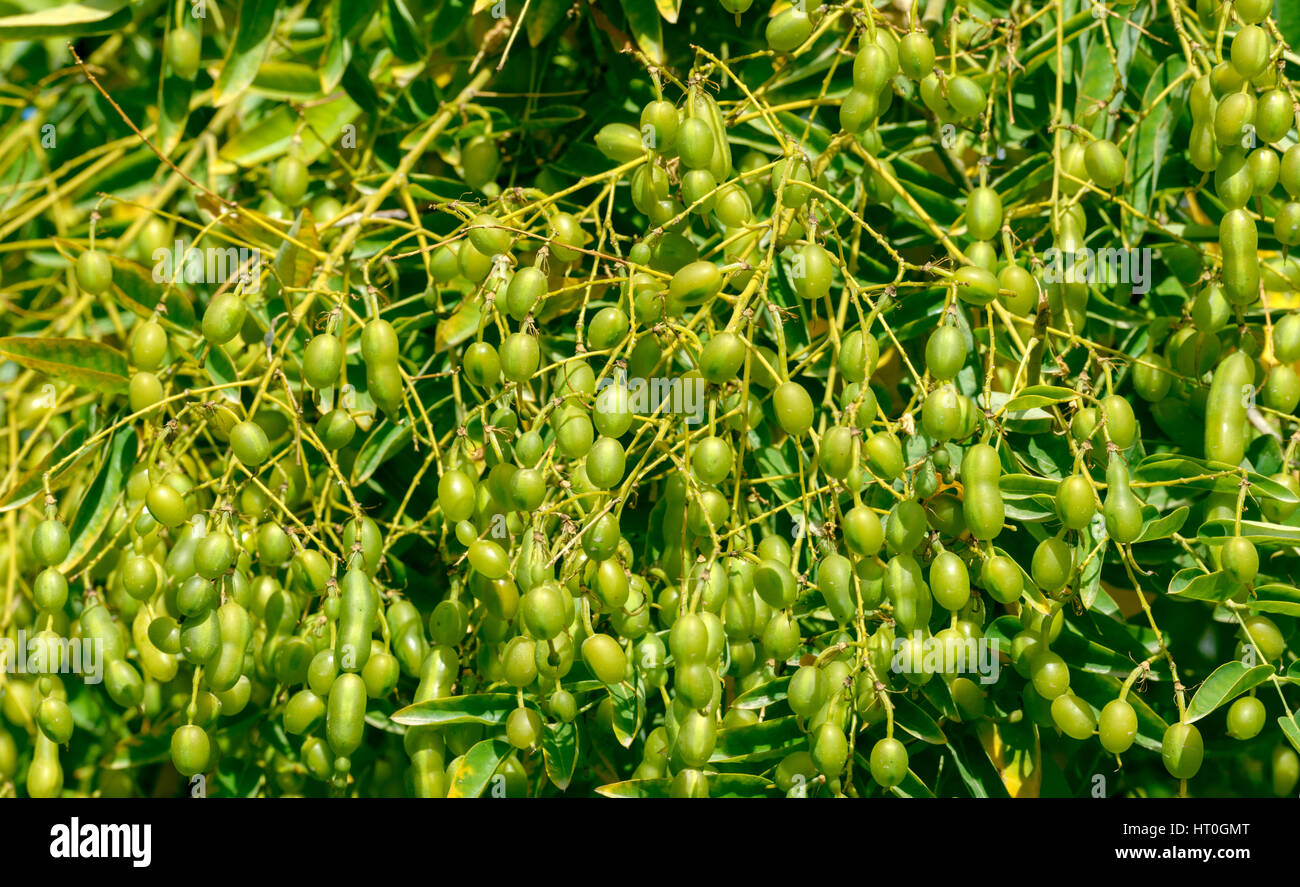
x=1239, y=241
x=983, y=213
x=1250, y=51
x=345, y=715
x=1182, y=750
x=1286, y=224
x=94, y=271
x=1235, y=113
x=949, y=581
x=322, y=361
x=975, y=285
x=1122, y=510
x=224, y=318
x=289, y=179
x=620, y=142
x=191, y=750
x=696, y=283
x=249, y=443
x=788, y=29
x=1274, y=116
x=916, y=55
x=183, y=53
x=148, y=345
x=858, y=356
x=1232, y=179
x=1202, y=149
x=1105, y=163
x=965, y=96
x=1225, y=409
x=480, y=161
x=1264, y=171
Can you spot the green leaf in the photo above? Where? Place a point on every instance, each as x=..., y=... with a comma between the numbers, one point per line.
x=1039, y=396
x=560, y=751
x=1090, y=578
x=1195, y=585
x=977, y=772
x=647, y=27
x=381, y=718
x=477, y=767
x=244, y=56
x=462, y=324
x=550, y=117
x=81, y=362
x=1093, y=87
x=339, y=49
x=447, y=21
x=481, y=708
x=757, y=742
x=97, y=503
x=542, y=17
x=401, y=31
x=1276, y=598
x=67, y=20
x=1164, y=526
x=1173, y=470
x=1022, y=485
x=356, y=83
x=763, y=695
x=1147, y=148
x=913, y=719
x=669, y=9
x=1084, y=652
x=721, y=785
x=137, y=289
x=424, y=186
x=1292, y=731
x=911, y=786
x=384, y=442
x=1288, y=22
x=272, y=136
x=1227, y=682
x=32, y=481
x=221, y=371
x=174, y=93
x=1262, y=534
x=629, y=709
x=295, y=264
x=287, y=81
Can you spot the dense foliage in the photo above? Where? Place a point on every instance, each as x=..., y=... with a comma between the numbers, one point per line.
x=644, y=398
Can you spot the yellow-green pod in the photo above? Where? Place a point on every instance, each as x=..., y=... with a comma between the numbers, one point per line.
x=97, y=623
x=160, y=666
x=236, y=633
x=1239, y=240
x=1231, y=394
x=45, y=775
x=356, y=615
x=1122, y=510
x=345, y=715
x=438, y=673
x=201, y=639
x=701, y=104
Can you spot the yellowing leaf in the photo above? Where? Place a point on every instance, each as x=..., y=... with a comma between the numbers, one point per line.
x=83, y=363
